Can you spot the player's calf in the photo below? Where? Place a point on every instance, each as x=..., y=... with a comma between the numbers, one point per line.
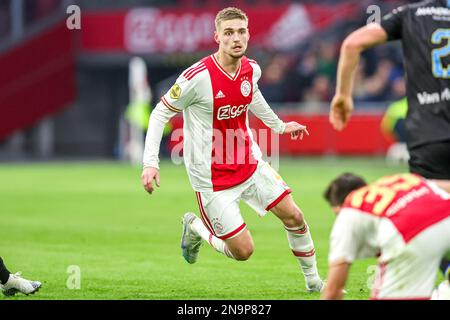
x=294, y=219
x=300, y=241
x=289, y=213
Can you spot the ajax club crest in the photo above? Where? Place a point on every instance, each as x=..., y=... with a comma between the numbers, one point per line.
x=246, y=88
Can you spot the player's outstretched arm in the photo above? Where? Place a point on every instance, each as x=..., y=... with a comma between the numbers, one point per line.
x=342, y=104
x=148, y=175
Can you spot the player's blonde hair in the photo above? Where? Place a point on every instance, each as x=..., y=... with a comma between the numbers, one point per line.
x=230, y=13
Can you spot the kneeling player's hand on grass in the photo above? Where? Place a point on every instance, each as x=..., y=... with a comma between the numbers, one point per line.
x=148, y=175
x=340, y=111
x=296, y=130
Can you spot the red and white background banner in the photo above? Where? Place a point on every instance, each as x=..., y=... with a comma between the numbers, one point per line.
x=181, y=29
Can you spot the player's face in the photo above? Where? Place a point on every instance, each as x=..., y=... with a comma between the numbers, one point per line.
x=232, y=37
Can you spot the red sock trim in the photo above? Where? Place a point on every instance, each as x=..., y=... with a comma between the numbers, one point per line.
x=304, y=254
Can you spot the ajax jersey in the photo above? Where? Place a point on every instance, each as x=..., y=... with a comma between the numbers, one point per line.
x=219, y=150
x=405, y=221
x=408, y=201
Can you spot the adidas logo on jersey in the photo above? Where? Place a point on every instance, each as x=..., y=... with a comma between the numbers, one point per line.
x=220, y=95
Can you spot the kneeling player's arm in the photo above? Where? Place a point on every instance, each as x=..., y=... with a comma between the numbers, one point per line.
x=337, y=277
x=158, y=119
x=262, y=110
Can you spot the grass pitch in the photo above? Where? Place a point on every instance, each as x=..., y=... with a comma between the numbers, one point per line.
x=61, y=220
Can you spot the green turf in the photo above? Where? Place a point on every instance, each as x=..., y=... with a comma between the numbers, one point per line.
x=126, y=243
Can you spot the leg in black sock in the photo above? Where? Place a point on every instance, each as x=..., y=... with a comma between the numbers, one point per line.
x=445, y=265
x=4, y=273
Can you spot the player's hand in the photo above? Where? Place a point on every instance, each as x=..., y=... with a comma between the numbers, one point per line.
x=296, y=130
x=340, y=111
x=148, y=175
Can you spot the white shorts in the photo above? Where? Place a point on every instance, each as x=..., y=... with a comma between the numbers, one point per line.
x=220, y=211
x=411, y=273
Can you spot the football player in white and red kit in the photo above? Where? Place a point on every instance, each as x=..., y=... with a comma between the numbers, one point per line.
x=223, y=161
x=403, y=219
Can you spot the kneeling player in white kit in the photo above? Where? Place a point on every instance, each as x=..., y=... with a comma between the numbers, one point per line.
x=403, y=219
x=222, y=159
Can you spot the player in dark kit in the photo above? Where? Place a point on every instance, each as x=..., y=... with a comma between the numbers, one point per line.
x=424, y=29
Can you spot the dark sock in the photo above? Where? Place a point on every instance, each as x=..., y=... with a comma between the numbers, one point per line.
x=445, y=264
x=4, y=273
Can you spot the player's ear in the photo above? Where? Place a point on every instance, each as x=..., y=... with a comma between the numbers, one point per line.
x=216, y=37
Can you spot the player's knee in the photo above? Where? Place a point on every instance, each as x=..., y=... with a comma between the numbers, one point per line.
x=243, y=253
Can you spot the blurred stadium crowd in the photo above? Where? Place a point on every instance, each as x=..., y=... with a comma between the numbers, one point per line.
x=306, y=74
x=309, y=76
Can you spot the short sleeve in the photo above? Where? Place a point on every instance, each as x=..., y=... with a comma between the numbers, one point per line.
x=392, y=23
x=353, y=237
x=181, y=95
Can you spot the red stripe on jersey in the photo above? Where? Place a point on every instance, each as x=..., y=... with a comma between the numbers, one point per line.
x=278, y=200
x=169, y=106
x=232, y=161
x=252, y=61
x=188, y=70
x=192, y=69
x=229, y=235
x=195, y=73
x=304, y=254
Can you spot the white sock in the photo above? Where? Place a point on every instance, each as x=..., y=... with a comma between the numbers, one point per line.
x=218, y=244
x=302, y=247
